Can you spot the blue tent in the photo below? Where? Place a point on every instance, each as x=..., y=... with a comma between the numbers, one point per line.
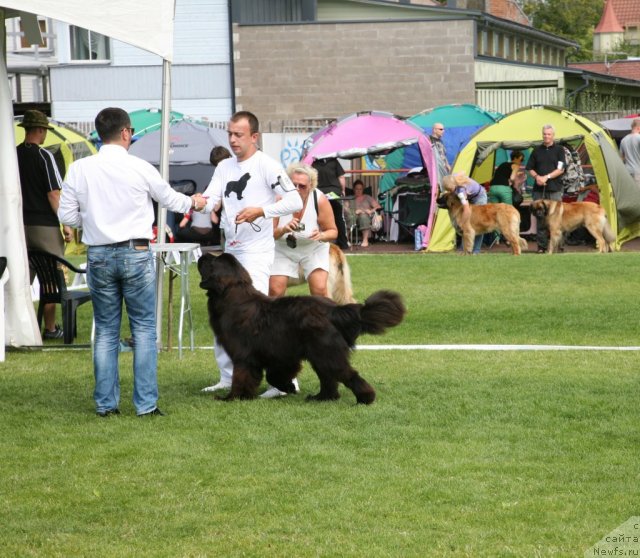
x=460, y=122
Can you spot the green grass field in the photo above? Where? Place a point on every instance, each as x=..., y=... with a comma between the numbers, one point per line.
x=464, y=453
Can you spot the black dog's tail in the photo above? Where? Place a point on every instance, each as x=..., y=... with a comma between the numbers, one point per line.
x=383, y=309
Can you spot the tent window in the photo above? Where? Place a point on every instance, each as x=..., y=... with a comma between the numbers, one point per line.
x=88, y=45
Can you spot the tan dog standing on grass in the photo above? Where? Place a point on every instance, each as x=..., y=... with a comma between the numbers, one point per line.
x=484, y=219
x=561, y=218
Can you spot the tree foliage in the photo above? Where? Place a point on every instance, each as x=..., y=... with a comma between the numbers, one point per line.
x=571, y=19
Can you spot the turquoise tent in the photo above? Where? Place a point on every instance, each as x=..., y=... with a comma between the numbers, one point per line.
x=144, y=121
x=460, y=122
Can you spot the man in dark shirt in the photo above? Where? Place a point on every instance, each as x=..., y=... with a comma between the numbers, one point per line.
x=331, y=182
x=437, y=132
x=40, y=183
x=545, y=166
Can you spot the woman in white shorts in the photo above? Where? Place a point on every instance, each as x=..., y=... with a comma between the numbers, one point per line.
x=302, y=241
x=302, y=238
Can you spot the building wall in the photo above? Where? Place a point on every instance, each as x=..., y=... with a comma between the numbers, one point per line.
x=607, y=42
x=338, y=10
x=78, y=92
x=132, y=79
x=327, y=70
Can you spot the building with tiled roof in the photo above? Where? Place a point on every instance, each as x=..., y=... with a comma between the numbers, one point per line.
x=620, y=22
x=507, y=9
x=627, y=69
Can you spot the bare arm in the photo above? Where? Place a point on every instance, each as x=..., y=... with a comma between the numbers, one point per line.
x=326, y=222
x=54, y=200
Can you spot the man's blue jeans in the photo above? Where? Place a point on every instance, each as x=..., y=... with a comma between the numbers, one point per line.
x=117, y=274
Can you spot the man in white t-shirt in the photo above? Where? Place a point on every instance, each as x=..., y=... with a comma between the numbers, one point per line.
x=247, y=185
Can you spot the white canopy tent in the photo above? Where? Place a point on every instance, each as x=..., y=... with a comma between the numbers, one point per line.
x=147, y=24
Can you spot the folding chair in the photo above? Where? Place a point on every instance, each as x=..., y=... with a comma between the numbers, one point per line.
x=413, y=211
x=53, y=289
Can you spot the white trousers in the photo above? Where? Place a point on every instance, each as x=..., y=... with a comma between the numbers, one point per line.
x=259, y=268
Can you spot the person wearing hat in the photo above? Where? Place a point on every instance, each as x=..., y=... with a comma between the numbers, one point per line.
x=41, y=184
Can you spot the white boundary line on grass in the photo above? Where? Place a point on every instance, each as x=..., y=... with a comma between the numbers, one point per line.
x=413, y=348
x=484, y=348
x=492, y=348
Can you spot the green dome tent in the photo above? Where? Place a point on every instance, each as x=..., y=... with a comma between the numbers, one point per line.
x=522, y=129
x=144, y=121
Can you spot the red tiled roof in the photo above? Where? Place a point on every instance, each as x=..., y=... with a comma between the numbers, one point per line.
x=507, y=9
x=627, y=11
x=627, y=69
x=609, y=21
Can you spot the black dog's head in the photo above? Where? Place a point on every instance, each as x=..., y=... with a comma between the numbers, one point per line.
x=221, y=272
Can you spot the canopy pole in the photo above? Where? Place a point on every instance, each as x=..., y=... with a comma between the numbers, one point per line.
x=164, y=171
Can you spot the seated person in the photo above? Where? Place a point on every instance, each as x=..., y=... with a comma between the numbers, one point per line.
x=505, y=179
x=361, y=210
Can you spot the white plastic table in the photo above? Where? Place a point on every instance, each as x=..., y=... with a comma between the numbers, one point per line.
x=178, y=266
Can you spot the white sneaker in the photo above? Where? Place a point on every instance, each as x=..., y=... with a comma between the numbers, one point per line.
x=274, y=392
x=217, y=387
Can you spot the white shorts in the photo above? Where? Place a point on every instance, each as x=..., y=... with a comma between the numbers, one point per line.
x=313, y=255
x=258, y=266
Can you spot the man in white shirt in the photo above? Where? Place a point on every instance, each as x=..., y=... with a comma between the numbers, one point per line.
x=247, y=184
x=110, y=196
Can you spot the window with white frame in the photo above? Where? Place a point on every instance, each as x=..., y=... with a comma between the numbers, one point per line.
x=17, y=41
x=88, y=45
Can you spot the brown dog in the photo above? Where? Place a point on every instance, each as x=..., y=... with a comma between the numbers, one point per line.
x=560, y=218
x=487, y=218
x=339, y=281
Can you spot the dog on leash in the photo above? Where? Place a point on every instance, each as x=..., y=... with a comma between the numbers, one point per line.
x=484, y=219
x=275, y=334
x=339, y=281
x=560, y=218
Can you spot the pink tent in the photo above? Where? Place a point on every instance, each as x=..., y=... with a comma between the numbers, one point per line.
x=360, y=134
x=373, y=133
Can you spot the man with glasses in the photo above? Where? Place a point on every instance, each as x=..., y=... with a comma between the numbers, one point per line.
x=444, y=168
x=110, y=196
x=248, y=185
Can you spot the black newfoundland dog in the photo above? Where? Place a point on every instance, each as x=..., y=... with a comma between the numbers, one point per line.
x=276, y=334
